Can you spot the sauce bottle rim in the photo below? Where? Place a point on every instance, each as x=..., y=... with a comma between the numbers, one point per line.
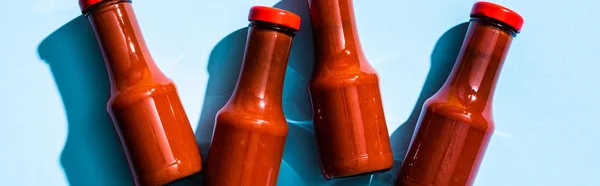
x=274, y=16
x=499, y=14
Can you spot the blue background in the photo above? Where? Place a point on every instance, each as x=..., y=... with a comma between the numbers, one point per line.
x=55, y=130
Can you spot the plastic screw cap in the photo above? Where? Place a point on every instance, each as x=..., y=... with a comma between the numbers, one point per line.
x=499, y=13
x=275, y=16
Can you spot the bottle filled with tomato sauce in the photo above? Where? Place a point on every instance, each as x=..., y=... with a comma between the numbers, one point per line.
x=251, y=129
x=348, y=113
x=456, y=124
x=148, y=116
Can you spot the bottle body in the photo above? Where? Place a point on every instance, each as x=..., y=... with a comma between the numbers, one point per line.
x=447, y=147
x=250, y=130
x=155, y=133
x=246, y=148
x=456, y=124
x=145, y=108
x=347, y=109
x=350, y=125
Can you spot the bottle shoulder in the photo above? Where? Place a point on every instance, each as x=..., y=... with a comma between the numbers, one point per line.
x=267, y=122
x=458, y=112
x=131, y=94
x=343, y=79
x=345, y=65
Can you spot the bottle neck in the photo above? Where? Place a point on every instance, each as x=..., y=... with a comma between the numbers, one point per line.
x=260, y=84
x=334, y=33
x=474, y=76
x=126, y=55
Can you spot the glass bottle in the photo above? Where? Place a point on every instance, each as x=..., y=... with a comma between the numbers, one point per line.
x=148, y=116
x=251, y=129
x=347, y=109
x=456, y=123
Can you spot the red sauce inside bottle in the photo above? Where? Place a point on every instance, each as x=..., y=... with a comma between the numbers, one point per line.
x=347, y=108
x=250, y=130
x=456, y=124
x=148, y=116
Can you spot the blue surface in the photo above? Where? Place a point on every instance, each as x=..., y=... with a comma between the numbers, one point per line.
x=54, y=86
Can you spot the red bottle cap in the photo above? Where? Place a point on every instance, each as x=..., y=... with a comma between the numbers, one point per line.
x=84, y=4
x=275, y=16
x=497, y=12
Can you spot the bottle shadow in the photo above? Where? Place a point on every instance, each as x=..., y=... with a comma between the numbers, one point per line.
x=443, y=58
x=92, y=154
x=223, y=68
